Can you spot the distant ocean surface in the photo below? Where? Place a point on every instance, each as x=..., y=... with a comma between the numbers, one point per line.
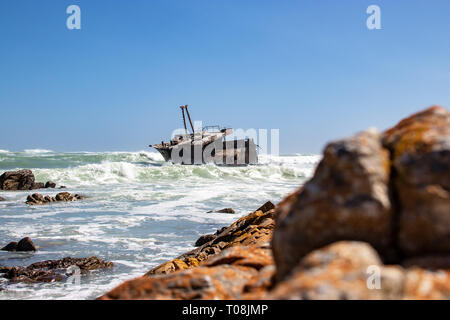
x=140, y=211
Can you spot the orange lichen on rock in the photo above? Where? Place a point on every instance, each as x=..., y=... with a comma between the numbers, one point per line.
x=253, y=229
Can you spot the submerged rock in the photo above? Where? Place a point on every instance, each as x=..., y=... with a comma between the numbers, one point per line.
x=12, y=246
x=38, y=185
x=50, y=184
x=38, y=199
x=225, y=210
x=53, y=270
x=24, y=244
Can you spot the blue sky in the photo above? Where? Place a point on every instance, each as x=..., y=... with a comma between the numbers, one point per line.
x=310, y=68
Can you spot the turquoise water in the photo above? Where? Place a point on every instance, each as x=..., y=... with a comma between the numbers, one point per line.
x=140, y=211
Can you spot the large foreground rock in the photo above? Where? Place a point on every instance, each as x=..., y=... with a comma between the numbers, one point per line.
x=340, y=271
x=391, y=191
x=420, y=152
x=372, y=223
x=347, y=198
x=229, y=275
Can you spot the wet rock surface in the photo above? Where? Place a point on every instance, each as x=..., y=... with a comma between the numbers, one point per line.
x=52, y=270
x=38, y=199
x=25, y=244
x=22, y=180
x=372, y=223
x=225, y=210
x=17, y=180
x=2, y=199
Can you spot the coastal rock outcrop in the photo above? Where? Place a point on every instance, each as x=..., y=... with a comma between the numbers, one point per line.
x=340, y=271
x=255, y=228
x=22, y=180
x=228, y=275
x=372, y=223
x=38, y=199
x=52, y=270
x=17, y=180
x=347, y=198
x=390, y=190
x=25, y=244
x=420, y=152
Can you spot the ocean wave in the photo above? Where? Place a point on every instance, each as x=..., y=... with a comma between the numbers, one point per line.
x=124, y=172
x=91, y=168
x=37, y=151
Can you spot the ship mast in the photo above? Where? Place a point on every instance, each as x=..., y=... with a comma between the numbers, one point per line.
x=184, y=119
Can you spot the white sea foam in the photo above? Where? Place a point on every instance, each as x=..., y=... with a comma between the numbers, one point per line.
x=140, y=211
x=37, y=151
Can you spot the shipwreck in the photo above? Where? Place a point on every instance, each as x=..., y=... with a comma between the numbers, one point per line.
x=208, y=145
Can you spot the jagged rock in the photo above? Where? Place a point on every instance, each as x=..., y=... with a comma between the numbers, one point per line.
x=347, y=198
x=222, y=282
x=50, y=184
x=17, y=180
x=38, y=199
x=225, y=210
x=420, y=152
x=64, y=196
x=53, y=270
x=204, y=239
x=255, y=228
x=340, y=271
x=224, y=277
x=35, y=199
x=12, y=246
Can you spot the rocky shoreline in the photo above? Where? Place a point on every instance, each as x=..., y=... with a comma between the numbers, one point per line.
x=372, y=223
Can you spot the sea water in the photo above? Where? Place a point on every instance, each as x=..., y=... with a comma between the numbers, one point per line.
x=139, y=212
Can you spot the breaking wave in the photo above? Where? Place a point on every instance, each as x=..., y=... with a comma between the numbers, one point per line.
x=90, y=168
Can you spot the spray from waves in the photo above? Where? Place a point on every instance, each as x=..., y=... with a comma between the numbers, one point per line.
x=94, y=168
x=123, y=172
x=47, y=159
